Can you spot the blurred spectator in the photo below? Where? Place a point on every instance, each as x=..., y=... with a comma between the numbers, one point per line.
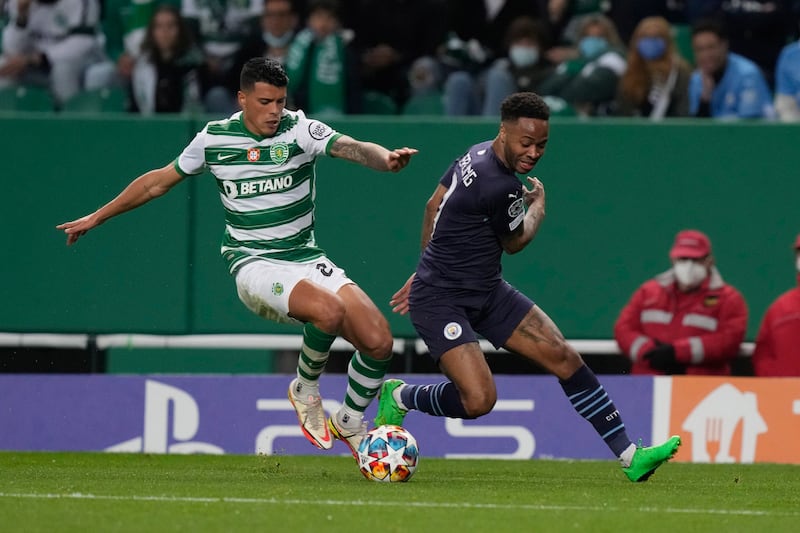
x=50, y=43
x=565, y=18
x=220, y=28
x=589, y=82
x=424, y=76
x=124, y=25
x=322, y=65
x=686, y=320
x=389, y=36
x=787, y=83
x=164, y=78
x=279, y=23
x=488, y=22
x=725, y=84
x=477, y=37
x=525, y=67
x=464, y=64
x=777, y=350
x=656, y=81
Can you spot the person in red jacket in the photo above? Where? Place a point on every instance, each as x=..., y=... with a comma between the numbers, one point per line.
x=686, y=320
x=777, y=350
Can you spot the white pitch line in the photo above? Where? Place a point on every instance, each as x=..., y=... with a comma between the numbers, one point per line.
x=406, y=504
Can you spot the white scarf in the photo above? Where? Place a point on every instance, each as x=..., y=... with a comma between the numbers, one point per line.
x=661, y=95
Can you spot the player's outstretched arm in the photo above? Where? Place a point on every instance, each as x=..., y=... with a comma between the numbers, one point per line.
x=372, y=155
x=149, y=185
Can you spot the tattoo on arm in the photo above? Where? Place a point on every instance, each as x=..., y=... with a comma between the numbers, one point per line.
x=364, y=153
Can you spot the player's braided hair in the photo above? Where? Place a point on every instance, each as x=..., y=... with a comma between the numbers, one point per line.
x=524, y=104
x=262, y=69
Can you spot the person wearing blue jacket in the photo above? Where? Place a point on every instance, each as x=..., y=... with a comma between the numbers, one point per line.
x=725, y=84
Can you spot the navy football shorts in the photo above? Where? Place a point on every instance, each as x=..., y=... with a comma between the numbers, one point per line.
x=446, y=318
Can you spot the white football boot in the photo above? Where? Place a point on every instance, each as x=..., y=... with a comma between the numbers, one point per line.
x=311, y=415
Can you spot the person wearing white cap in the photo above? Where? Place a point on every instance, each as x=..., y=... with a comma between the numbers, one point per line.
x=777, y=351
x=686, y=320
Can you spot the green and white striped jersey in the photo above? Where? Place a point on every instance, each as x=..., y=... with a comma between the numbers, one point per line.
x=266, y=184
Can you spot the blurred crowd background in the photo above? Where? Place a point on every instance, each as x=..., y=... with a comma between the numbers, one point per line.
x=648, y=58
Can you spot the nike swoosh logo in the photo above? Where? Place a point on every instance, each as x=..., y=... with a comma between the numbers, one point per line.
x=225, y=157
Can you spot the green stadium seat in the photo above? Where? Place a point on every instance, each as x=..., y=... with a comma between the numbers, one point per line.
x=682, y=33
x=375, y=103
x=425, y=104
x=114, y=100
x=26, y=98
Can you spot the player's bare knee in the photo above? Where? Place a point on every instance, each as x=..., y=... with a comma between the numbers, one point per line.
x=378, y=344
x=565, y=360
x=330, y=315
x=477, y=405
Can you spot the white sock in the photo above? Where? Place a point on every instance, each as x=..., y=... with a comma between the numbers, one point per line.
x=349, y=418
x=627, y=456
x=307, y=388
x=398, y=399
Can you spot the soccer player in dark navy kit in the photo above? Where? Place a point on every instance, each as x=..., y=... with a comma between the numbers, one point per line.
x=478, y=210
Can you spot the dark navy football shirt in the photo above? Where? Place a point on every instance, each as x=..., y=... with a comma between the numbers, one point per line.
x=483, y=203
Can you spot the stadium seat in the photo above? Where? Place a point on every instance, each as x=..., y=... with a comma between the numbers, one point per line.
x=113, y=100
x=425, y=104
x=25, y=98
x=376, y=103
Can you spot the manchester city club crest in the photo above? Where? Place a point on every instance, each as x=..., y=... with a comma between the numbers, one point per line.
x=279, y=153
x=452, y=331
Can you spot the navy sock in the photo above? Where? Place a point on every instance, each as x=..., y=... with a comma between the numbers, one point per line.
x=441, y=399
x=591, y=401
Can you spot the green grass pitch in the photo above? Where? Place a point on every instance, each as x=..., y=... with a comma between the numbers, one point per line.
x=81, y=492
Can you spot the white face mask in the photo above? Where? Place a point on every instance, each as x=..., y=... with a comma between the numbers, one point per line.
x=690, y=273
x=523, y=56
x=277, y=41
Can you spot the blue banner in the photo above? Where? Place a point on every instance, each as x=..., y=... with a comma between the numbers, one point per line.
x=251, y=414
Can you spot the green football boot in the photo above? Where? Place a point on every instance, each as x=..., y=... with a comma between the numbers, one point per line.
x=646, y=460
x=388, y=410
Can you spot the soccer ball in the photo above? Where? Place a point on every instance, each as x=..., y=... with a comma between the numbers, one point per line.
x=388, y=453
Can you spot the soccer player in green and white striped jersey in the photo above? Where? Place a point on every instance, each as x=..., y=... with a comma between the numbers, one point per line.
x=263, y=158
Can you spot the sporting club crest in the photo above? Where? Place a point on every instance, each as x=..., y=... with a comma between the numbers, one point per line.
x=279, y=153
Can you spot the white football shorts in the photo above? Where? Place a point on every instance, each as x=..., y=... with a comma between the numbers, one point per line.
x=264, y=286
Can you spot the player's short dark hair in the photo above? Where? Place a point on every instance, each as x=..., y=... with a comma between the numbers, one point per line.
x=524, y=105
x=262, y=69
